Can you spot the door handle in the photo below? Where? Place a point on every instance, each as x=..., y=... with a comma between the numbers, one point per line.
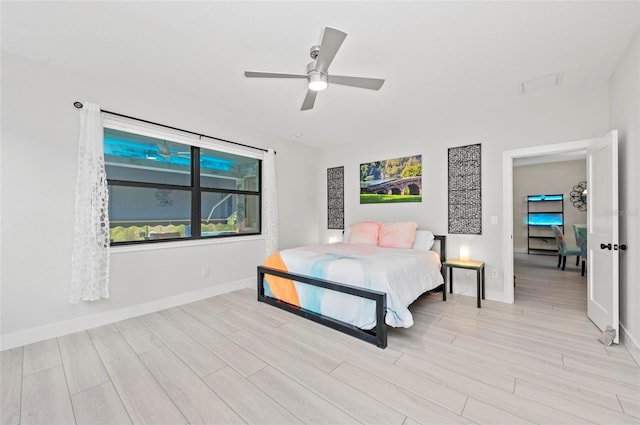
x=623, y=247
x=607, y=246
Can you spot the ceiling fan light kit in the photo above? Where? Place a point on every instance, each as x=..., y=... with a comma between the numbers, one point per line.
x=317, y=75
x=317, y=81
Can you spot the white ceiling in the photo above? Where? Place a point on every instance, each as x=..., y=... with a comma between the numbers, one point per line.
x=435, y=56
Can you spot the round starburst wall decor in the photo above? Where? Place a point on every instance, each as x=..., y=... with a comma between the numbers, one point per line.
x=578, y=196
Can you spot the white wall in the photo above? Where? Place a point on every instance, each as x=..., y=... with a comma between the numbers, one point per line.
x=546, y=117
x=39, y=145
x=625, y=116
x=548, y=178
x=551, y=116
x=38, y=168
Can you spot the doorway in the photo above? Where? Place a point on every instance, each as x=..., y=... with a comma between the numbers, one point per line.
x=548, y=191
x=602, y=219
x=507, y=191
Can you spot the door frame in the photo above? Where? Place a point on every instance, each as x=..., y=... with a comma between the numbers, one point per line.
x=507, y=199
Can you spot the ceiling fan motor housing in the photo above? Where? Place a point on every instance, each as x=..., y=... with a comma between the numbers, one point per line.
x=313, y=67
x=313, y=52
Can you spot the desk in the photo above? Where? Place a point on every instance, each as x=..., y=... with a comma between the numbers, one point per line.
x=478, y=266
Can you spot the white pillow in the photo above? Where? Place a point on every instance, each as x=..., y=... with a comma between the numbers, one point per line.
x=423, y=240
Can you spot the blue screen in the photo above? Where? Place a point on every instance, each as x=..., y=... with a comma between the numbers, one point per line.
x=545, y=219
x=544, y=198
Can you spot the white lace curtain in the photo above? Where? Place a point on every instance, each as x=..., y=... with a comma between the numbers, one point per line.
x=270, y=195
x=90, y=260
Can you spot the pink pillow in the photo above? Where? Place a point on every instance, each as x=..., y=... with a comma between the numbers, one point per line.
x=365, y=232
x=397, y=235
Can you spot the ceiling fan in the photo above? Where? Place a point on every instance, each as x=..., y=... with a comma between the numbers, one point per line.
x=166, y=153
x=317, y=75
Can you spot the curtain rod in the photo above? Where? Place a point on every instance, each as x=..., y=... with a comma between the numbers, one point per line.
x=79, y=105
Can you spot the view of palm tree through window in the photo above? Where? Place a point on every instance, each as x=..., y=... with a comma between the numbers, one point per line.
x=152, y=195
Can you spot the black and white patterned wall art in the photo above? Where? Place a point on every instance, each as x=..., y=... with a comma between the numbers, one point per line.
x=335, y=198
x=465, y=190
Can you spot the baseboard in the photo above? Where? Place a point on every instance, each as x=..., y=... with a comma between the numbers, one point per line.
x=41, y=333
x=496, y=296
x=630, y=343
x=471, y=291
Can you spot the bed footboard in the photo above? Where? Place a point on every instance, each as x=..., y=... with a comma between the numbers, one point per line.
x=378, y=336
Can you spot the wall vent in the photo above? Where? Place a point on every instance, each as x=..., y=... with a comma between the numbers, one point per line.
x=541, y=83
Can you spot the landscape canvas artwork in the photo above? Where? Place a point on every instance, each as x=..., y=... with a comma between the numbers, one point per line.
x=391, y=180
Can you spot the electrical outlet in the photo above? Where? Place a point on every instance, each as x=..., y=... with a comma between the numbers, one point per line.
x=494, y=273
x=205, y=272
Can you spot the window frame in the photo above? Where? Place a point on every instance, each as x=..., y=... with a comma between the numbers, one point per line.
x=196, y=144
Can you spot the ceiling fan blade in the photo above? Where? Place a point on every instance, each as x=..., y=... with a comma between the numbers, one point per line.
x=361, y=82
x=309, y=100
x=331, y=42
x=255, y=74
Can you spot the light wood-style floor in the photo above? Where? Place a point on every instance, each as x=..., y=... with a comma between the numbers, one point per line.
x=230, y=360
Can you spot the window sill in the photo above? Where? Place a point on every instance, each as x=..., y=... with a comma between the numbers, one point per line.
x=182, y=244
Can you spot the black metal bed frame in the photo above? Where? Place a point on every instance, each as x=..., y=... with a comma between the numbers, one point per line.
x=376, y=336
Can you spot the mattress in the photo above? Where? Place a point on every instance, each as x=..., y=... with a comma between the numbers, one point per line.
x=403, y=274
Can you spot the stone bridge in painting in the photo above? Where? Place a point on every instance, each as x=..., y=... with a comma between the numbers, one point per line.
x=396, y=186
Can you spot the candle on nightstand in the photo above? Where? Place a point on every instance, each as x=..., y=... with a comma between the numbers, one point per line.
x=464, y=253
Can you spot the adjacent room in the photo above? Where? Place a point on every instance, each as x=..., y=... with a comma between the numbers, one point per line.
x=551, y=190
x=166, y=167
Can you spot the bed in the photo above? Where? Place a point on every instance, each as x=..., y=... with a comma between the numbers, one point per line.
x=360, y=285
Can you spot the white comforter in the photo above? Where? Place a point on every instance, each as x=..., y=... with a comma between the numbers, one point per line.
x=403, y=274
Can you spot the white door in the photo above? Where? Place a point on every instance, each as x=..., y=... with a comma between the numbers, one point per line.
x=602, y=232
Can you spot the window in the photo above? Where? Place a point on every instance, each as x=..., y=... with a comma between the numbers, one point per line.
x=162, y=189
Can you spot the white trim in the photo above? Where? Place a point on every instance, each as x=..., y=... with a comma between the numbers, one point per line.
x=507, y=226
x=144, y=129
x=53, y=330
x=495, y=296
x=182, y=244
x=209, y=143
x=630, y=343
x=507, y=199
x=470, y=290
